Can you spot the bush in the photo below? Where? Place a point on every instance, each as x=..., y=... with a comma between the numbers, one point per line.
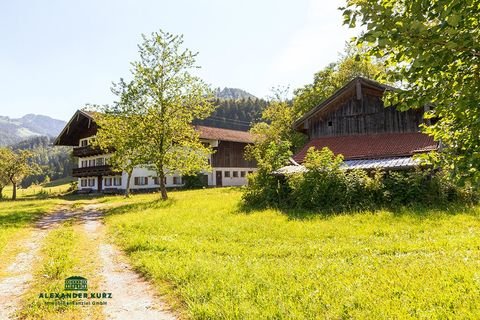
x=197, y=181
x=329, y=187
x=265, y=190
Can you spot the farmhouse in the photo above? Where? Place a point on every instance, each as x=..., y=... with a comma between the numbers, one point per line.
x=355, y=123
x=94, y=173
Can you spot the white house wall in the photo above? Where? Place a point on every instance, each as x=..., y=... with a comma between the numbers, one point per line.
x=144, y=172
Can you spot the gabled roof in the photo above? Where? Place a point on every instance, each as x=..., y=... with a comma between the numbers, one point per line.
x=82, y=119
x=352, y=85
x=372, y=146
x=69, y=134
x=212, y=133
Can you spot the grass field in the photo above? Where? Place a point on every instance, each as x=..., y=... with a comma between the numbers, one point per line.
x=47, y=190
x=214, y=260
x=16, y=217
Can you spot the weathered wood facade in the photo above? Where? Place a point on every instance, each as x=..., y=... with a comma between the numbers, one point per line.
x=231, y=155
x=364, y=116
x=358, y=109
x=355, y=123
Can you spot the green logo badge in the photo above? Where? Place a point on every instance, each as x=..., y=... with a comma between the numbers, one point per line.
x=76, y=283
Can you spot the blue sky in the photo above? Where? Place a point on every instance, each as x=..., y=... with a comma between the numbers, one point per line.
x=55, y=56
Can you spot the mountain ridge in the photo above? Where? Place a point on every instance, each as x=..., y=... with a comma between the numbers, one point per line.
x=240, y=107
x=15, y=130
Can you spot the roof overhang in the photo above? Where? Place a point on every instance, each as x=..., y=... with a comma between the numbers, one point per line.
x=72, y=131
x=354, y=87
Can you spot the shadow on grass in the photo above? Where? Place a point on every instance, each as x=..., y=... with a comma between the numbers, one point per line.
x=419, y=211
x=22, y=216
x=139, y=207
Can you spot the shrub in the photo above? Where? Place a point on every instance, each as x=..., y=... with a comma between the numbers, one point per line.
x=326, y=185
x=265, y=190
x=196, y=181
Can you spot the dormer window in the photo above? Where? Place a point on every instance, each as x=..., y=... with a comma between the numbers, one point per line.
x=84, y=143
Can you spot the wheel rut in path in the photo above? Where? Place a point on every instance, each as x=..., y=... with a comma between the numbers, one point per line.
x=19, y=273
x=132, y=296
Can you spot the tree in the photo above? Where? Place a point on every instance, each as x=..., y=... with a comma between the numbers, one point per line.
x=325, y=82
x=19, y=166
x=5, y=157
x=275, y=137
x=432, y=51
x=168, y=98
x=118, y=131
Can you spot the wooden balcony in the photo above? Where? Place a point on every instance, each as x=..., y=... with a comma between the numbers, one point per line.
x=86, y=151
x=94, y=171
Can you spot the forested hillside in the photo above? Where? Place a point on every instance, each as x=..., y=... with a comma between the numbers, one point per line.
x=235, y=114
x=55, y=162
x=31, y=125
x=233, y=93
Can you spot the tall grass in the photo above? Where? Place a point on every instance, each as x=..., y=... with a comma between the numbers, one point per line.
x=216, y=261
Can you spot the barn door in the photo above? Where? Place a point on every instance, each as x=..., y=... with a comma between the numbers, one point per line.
x=218, y=178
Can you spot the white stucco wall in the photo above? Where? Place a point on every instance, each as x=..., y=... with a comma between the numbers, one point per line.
x=144, y=172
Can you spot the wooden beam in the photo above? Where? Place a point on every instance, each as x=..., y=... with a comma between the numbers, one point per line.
x=359, y=90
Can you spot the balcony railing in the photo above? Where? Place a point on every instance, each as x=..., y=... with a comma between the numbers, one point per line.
x=86, y=151
x=96, y=171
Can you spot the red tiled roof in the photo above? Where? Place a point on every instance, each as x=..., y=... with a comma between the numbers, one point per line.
x=224, y=134
x=372, y=146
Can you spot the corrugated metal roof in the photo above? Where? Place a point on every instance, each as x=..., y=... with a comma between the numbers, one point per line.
x=387, y=163
x=364, y=164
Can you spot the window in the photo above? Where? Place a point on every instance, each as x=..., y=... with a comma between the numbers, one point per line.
x=235, y=174
x=176, y=180
x=330, y=123
x=242, y=174
x=250, y=172
x=183, y=180
x=83, y=182
x=100, y=161
x=156, y=181
x=227, y=174
x=84, y=164
x=91, y=182
x=84, y=143
x=91, y=163
x=117, y=181
x=108, y=182
x=141, y=181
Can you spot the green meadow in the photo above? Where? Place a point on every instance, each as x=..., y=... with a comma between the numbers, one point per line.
x=16, y=218
x=213, y=259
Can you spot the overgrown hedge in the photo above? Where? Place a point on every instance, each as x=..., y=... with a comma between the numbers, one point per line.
x=327, y=186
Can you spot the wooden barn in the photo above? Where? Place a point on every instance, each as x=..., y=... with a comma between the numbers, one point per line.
x=355, y=123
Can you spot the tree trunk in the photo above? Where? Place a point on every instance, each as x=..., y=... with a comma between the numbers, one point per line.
x=127, y=190
x=1, y=193
x=14, y=193
x=163, y=188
